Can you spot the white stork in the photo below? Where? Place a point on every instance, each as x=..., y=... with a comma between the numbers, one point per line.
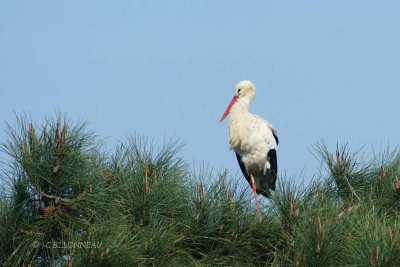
x=254, y=141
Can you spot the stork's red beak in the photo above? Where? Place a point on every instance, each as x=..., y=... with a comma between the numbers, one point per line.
x=228, y=109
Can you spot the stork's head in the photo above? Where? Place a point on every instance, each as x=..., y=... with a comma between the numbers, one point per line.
x=245, y=92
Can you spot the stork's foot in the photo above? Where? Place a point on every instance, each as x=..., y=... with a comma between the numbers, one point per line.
x=253, y=186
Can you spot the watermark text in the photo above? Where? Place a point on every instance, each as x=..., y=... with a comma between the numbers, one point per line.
x=67, y=245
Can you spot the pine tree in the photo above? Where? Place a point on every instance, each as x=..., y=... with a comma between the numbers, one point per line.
x=56, y=177
x=144, y=207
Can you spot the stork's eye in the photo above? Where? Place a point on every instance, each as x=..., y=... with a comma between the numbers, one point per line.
x=239, y=90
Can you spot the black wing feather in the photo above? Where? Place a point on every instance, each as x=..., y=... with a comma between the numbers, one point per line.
x=276, y=138
x=268, y=180
x=243, y=168
x=272, y=157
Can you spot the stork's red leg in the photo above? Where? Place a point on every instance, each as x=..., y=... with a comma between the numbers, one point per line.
x=253, y=186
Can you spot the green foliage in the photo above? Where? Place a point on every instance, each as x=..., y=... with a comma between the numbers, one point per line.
x=65, y=203
x=53, y=171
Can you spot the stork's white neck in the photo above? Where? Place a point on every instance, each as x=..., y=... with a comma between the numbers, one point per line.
x=238, y=123
x=240, y=107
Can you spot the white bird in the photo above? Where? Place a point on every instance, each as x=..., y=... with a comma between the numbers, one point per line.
x=254, y=141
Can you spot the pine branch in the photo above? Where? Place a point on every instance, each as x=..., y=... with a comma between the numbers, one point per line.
x=57, y=198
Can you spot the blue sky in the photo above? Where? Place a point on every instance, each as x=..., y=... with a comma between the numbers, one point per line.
x=167, y=69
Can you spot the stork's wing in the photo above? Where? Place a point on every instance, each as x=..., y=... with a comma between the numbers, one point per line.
x=273, y=160
x=243, y=168
x=268, y=180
